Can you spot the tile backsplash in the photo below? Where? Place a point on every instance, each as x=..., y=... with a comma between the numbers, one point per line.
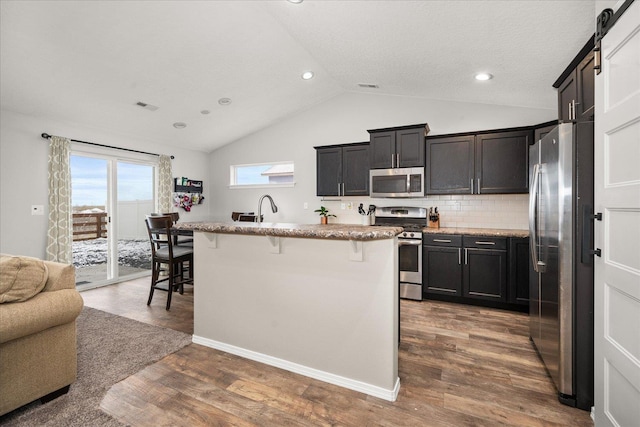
x=503, y=211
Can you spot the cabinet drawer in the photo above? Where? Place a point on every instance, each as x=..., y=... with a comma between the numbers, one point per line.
x=497, y=243
x=442, y=240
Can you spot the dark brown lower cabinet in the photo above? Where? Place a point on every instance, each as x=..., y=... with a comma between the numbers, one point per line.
x=485, y=274
x=519, y=271
x=490, y=271
x=443, y=270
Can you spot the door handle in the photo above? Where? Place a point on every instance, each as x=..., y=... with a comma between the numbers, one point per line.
x=393, y=161
x=459, y=256
x=533, y=205
x=466, y=256
x=587, y=218
x=478, y=188
x=409, y=242
x=485, y=243
x=471, y=185
x=442, y=240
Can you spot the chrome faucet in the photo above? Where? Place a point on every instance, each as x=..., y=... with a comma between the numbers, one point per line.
x=274, y=208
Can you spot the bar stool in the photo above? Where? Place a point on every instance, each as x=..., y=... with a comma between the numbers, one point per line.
x=164, y=251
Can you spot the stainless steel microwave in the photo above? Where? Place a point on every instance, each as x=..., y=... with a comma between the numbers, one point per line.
x=398, y=182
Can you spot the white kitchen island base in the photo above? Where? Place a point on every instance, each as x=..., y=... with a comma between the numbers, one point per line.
x=324, y=308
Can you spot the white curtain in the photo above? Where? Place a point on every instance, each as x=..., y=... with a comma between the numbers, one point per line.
x=165, y=184
x=59, y=233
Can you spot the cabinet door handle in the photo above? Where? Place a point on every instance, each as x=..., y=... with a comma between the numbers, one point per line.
x=459, y=256
x=481, y=242
x=478, y=188
x=466, y=256
x=397, y=160
x=343, y=188
x=393, y=161
x=471, y=185
x=442, y=240
x=338, y=189
x=570, y=115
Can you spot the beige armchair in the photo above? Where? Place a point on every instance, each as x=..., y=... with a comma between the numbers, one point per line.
x=38, y=350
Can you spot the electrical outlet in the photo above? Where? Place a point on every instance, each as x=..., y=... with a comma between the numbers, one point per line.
x=349, y=205
x=343, y=206
x=37, y=210
x=305, y=205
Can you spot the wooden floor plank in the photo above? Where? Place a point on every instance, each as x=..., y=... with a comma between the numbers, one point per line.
x=459, y=365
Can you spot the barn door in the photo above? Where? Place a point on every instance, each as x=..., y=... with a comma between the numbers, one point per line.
x=617, y=234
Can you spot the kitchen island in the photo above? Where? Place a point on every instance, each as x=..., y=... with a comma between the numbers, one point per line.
x=318, y=300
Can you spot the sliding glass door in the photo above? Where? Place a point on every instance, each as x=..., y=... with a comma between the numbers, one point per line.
x=110, y=198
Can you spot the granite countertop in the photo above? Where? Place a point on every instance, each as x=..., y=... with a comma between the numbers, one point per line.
x=487, y=232
x=308, y=231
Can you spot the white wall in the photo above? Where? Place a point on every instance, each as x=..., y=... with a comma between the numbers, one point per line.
x=23, y=175
x=345, y=119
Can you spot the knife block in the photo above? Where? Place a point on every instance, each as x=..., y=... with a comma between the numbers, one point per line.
x=433, y=224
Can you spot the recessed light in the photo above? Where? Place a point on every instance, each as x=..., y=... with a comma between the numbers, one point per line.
x=295, y=1
x=224, y=101
x=205, y=112
x=179, y=125
x=483, y=76
x=307, y=75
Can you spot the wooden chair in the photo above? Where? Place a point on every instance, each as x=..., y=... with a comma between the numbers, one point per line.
x=164, y=251
x=180, y=237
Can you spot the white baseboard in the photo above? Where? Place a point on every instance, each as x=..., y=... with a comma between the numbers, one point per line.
x=370, y=389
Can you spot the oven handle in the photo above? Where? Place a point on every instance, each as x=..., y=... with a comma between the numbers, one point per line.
x=409, y=242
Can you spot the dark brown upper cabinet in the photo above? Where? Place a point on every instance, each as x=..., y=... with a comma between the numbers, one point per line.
x=450, y=165
x=401, y=147
x=575, y=86
x=342, y=170
x=480, y=163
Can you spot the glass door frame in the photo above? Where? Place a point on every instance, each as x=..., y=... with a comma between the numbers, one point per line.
x=112, y=158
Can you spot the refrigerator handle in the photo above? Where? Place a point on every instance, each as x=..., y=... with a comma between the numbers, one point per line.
x=533, y=206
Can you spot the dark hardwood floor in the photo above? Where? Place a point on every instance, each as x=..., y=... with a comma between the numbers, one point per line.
x=459, y=366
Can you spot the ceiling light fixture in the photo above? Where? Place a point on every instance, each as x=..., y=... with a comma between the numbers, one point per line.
x=483, y=76
x=179, y=125
x=295, y=1
x=224, y=101
x=307, y=75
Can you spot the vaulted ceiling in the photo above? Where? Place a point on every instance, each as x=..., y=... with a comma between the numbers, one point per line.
x=90, y=62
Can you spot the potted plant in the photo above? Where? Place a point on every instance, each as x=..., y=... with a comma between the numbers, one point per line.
x=324, y=214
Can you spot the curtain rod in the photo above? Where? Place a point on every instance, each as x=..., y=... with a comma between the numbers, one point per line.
x=47, y=136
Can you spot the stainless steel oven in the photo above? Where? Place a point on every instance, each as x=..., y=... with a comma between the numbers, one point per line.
x=412, y=220
x=410, y=265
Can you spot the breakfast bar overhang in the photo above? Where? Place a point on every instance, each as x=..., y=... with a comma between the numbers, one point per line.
x=317, y=300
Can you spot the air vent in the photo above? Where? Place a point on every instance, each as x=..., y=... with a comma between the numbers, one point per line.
x=368, y=86
x=146, y=106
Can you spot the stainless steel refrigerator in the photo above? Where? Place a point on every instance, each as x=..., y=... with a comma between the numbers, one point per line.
x=561, y=280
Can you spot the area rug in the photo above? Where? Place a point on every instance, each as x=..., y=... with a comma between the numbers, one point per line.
x=110, y=348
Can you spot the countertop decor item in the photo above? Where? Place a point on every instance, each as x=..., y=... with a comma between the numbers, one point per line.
x=324, y=214
x=434, y=218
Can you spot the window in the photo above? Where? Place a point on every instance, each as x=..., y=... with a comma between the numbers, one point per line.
x=262, y=175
